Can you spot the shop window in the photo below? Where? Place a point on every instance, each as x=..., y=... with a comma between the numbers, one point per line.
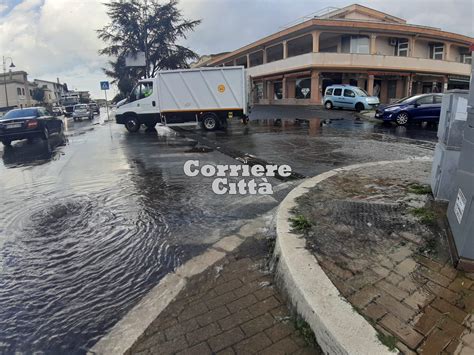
x=436, y=51
x=402, y=47
x=303, y=88
x=277, y=90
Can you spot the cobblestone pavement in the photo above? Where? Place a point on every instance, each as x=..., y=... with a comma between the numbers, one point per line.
x=233, y=308
x=392, y=265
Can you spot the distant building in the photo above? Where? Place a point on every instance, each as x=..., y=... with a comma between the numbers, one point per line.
x=355, y=45
x=204, y=58
x=19, y=90
x=54, y=90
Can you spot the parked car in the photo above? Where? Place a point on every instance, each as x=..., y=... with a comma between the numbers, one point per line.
x=347, y=96
x=29, y=123
x=81, y=111
x=424, y=107
x=57, y=111
x=94, y=107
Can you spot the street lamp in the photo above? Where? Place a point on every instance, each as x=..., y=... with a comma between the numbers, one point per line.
x=5, y=74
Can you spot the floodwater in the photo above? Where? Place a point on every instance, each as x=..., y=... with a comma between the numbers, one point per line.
x=89, y=225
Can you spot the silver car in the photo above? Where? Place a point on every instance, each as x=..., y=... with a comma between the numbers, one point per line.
x=82, y=111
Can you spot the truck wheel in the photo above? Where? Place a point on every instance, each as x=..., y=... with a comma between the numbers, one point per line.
x=132, y=125
x=210, y=121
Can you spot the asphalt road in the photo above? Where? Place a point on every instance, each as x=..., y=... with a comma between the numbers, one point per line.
x=88, y=225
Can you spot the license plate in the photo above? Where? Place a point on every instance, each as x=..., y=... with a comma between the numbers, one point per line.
x=13, y=125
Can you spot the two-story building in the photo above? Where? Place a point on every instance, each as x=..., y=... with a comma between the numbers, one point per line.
x=15, y=90
x=356, y=45
x=53, y=90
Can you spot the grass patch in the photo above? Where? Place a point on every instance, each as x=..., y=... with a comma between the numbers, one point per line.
x=300, y=223
x=305, y=331
x=419, y=189
x=388, y=340
x=425, y=215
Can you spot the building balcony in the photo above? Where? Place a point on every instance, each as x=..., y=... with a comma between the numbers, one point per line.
x=367, y=62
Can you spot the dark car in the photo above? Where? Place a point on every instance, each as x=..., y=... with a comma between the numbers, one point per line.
x=28, y=123
x=425, y=107
x=94, y=107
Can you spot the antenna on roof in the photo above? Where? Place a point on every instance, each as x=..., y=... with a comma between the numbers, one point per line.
x=317, y=14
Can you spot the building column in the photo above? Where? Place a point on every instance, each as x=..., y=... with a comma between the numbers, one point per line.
x=399, y=89
x=285, y=50
x=315, y=90
x=447, y=51
x=315, y=35
x=370, y=85
x=408, y=86
x=264, y=55
x=248, y=60
x=270, y=91
x=373, y=45
x=445, y=83
x=284, y=90
x=411, y=46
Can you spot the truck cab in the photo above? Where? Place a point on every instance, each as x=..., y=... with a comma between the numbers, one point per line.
x=186, y=97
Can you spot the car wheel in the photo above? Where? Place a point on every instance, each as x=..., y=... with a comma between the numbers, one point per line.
x=359, y=107
x=75, y=119
x=6, y=142
x=132, y=125
x=402, y=118
x=328, y=105
x=210, y=121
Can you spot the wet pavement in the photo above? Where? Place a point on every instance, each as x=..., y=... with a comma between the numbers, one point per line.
x=89, y=225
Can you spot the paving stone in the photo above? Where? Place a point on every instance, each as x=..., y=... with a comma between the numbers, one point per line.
x=228, y=286
x=263, y=306
x=393, y=278
x=227, y=351
x=442, y=292
x=253, y=345
x=235, y=319
x=201, y=349
x=392, y=290
x=451, y=327
x=374, y=311
x=226, y=339
x=401, y=330
x=419, y=299
x=365, y=279
x=280, y=312
x=242, y=303
x=250, y=287
x=381, y=271
x=258, y=324
x=404, y=350
x=430, y=264
x=403, y=312
x=428, y=320
x=264, y=292
x=406, y=267
x=193, y=311
x=402, y=253
x=201, y=334
x=363, y=297
x=408, y=285
x=436, y=342
x=461, y=284
x=145, y=343
x=284, y=346
x=330, y=266
x=344, y=288
x=212, y=316
x=279, y=331
x=434, y=276
x=181, y=328
x=170, y=347
x=447, y=308
x=221, y=300
x=449, y=271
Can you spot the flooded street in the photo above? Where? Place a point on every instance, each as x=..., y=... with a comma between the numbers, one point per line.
x=88, y=226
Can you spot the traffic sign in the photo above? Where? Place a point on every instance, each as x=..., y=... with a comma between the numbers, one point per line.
x=104, y=85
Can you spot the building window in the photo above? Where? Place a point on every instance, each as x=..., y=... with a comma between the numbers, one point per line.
x=356, y=44
x=23, y=91
x=436, y=51
x=256, y=58
x=303, y=88
x=402, y=47
x=277, y=90
x=258, y=91
x=18, y=91
x=31, y=92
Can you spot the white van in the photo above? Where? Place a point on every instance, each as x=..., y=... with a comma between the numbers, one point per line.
x=189, y=96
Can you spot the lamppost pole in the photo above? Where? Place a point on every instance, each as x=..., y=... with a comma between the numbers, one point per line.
x=5, y=75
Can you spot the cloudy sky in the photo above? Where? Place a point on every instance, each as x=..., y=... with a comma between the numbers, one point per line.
x=56, y=38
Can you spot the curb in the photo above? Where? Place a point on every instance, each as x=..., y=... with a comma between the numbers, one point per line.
x=363, y=115
x=339, y=329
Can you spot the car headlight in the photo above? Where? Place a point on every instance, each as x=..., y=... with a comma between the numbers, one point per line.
x=390, y=109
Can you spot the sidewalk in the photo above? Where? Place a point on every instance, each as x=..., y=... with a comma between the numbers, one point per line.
x=232, y=308
x=382, y=242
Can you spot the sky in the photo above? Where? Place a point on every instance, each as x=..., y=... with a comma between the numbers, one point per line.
x=52, y=39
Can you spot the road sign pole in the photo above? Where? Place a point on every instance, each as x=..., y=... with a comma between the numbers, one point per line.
x=106, y=105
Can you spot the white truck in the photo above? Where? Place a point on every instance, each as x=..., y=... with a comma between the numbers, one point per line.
x=188, y=96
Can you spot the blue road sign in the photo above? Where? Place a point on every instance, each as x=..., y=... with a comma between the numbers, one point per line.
x=104, y=85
